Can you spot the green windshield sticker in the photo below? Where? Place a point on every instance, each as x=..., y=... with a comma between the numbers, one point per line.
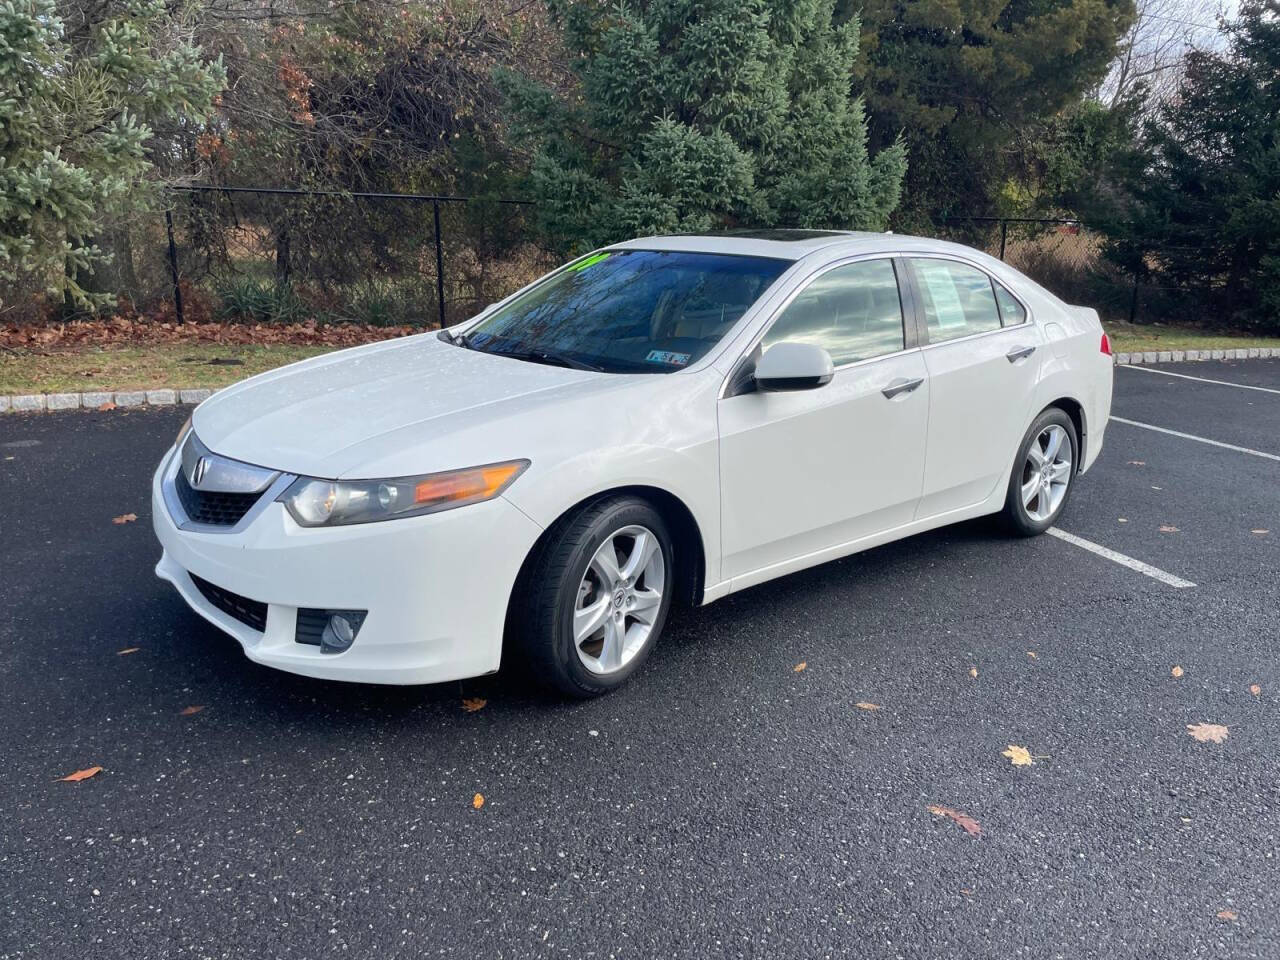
x=590, y=261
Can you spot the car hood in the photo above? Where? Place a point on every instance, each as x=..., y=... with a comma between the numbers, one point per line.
x=385, y=407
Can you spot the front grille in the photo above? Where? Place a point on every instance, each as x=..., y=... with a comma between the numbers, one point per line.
x=251, y=613
x=217, y=509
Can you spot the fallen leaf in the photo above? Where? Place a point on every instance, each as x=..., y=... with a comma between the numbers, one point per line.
x=1137, y=463
x=121, y=653
x=969, y=824
x=973, y=672
x=189, y=711
x=966, y=891
x=477, y=801
x=800, y=666
x=472, y=704
x=1020, y=756
x=1255, y=689
x=79, y=775
x=1207, y=732
x=125, y=518
x=1032, y=655
x=108, y=405
x=1168, y=528
x=863, y=705
x=1176, y=671
x=1261, y=531
x=1228, y=915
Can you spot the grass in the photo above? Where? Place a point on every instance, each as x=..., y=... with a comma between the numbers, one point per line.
x=74, y=369
x=1135, y=338
x=183, y=365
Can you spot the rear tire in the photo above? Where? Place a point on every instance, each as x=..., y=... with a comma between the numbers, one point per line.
x=1043, y=475
x=596, y=596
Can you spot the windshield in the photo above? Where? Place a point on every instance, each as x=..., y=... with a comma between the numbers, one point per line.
x=629, y=311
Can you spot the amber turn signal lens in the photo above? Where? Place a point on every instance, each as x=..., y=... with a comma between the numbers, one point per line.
x=479, y=483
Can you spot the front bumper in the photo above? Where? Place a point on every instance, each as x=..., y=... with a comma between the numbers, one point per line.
x=436, y=587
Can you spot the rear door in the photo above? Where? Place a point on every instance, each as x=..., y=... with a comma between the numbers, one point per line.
x=983, y=354
x=809, y=470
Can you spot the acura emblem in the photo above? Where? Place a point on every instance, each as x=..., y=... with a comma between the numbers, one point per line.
x=199, y=470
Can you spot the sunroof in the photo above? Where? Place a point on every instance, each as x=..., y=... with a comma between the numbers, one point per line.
x=780, y=233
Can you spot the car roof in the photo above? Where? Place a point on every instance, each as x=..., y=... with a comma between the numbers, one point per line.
x=784, y=244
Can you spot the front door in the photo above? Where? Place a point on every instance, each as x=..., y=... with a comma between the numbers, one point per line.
x=808, y=470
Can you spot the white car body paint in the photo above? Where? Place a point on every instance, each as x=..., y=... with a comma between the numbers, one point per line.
x=775, y=482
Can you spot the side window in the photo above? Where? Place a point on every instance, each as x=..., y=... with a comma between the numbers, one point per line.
x=853, y=311
x=958, y=299
x=1012, y=312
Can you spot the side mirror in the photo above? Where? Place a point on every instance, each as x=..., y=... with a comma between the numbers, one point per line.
x=794, y=366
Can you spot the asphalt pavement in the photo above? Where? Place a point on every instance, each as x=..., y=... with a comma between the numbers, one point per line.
x=725, y=804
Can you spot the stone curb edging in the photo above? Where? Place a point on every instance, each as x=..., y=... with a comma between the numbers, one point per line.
x=93, y=399
x=168, y=396
x=1179, y=356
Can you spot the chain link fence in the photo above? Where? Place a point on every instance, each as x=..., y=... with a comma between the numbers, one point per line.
x=281, y=255
x=1066, y=257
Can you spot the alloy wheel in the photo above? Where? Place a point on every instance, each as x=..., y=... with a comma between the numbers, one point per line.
x=619, y=599
x=1046, y=473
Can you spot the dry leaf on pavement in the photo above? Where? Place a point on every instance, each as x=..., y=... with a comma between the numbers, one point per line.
x=973, y=672
x=1207, y=732
x=1020, y=756
x=1137, y=463
x=969, y=824
x=472, y=704
x=108, y=405
x=1168, y=528
x=79, y=775
x=1260, y=532
x=477, y=801
x=125, y=518
x=1176, y=671
x=1255, y=689
x=189, y=711
x=800, y=666
x=121, y=653
x=1032, y=655
x=1228, y=915
x=863, y=705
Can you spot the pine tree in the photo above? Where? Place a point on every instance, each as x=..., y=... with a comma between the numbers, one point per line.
x=691, y=116
x=77, y=95
x=1201, y=190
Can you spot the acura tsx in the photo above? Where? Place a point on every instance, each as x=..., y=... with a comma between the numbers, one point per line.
x=667, y=419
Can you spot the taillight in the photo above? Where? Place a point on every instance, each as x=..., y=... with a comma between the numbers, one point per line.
x=1106, y=345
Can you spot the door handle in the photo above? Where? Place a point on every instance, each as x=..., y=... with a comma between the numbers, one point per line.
x=901, y=385
x=1020, y=353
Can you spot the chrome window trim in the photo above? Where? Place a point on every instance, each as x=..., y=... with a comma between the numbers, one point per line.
x=800, y=286
x=276, y=485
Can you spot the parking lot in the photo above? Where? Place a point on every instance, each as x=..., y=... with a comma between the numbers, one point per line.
x=763, y=789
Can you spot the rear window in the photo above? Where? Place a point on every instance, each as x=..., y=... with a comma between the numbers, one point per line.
x=630, y=311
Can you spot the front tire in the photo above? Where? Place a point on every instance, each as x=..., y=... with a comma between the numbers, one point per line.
x=597, y=596
x=1043, y=474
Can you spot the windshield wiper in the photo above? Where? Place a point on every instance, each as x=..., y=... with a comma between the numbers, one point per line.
x=548, y=357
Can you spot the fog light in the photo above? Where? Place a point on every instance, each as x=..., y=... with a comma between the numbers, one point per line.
x=338, y=635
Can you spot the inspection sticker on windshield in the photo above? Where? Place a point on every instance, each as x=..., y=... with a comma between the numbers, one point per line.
x=666, y=356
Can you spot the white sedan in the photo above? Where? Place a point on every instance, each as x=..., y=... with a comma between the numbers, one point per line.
x=667, y=419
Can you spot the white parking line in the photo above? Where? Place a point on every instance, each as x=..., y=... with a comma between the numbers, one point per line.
x=1125, y=561
x=1187, y=376
x=1192, y=436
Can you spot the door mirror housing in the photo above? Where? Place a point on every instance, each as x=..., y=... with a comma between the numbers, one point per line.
x=794, y=366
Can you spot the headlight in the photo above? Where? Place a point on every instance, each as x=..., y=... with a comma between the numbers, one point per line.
x=331, y=503
x=182, y=432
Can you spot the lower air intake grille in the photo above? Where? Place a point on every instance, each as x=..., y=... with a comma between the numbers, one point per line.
x=218, y=509
x=251, y=613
